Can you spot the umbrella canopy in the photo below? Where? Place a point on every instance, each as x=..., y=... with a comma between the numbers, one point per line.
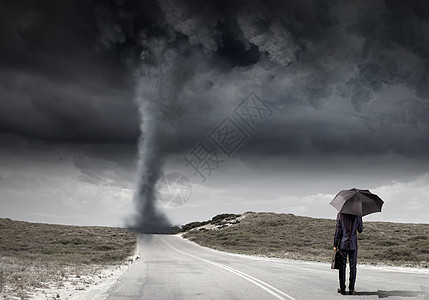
x=357, y=202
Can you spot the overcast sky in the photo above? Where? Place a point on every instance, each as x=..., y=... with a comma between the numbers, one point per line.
x=342, y=89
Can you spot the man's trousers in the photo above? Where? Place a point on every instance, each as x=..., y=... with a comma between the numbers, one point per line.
x=352, y=265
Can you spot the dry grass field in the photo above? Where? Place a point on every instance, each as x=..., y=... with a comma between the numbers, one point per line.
x=290, y=236
x=36, y=255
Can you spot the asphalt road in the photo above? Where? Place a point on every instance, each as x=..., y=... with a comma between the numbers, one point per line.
x=173, y=268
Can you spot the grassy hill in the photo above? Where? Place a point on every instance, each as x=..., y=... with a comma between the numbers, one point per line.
x=290, y=236
x=33, y=254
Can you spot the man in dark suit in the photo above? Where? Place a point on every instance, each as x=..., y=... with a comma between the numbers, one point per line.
x=346, y=240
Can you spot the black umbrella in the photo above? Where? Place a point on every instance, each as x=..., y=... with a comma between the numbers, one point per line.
x=357, y=202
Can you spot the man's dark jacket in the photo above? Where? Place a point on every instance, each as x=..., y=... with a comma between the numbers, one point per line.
x=345, y=232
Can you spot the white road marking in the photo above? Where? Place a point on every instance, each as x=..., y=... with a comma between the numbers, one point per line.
x=263, y=285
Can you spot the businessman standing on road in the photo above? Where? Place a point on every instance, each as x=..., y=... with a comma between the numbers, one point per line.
x=346, y=240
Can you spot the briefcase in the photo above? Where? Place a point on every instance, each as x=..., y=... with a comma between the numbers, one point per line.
x=336, y=260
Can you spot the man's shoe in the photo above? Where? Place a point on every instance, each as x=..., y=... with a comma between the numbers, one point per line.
x=342, y=292
x=352, y=292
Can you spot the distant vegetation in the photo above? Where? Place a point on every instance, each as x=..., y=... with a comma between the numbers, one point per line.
x=216, y=220
x=32, y=254
x=290, y=236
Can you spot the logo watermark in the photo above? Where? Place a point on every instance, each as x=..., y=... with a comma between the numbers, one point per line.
x=172, y=109
x=173, y=189
x=227, y=136
x=208, y=154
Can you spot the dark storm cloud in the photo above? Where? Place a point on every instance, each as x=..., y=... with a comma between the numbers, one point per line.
x=54, y=83
x=347, y=77
x=338, y=71
x=346, y=80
